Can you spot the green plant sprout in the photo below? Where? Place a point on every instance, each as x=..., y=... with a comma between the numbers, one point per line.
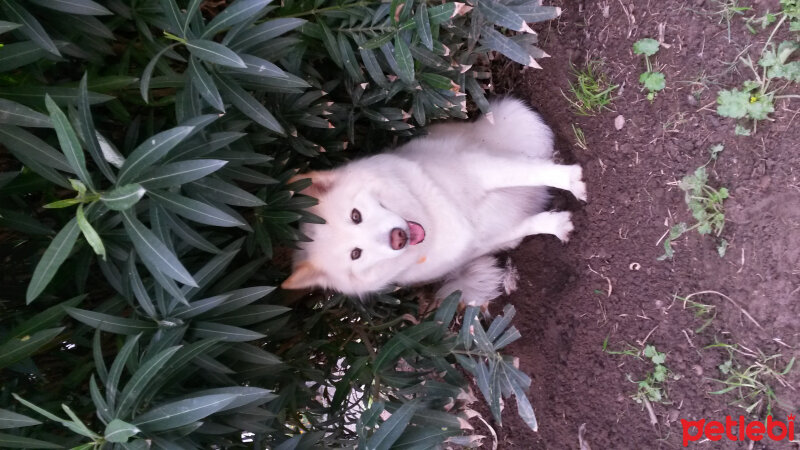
x=629, y=349
x=652, y=80
x=580, y=138
x=705, y=312
x=652, y=387
x=592, y=90
x=755, y=100
x=752, y=381
x=706, y=205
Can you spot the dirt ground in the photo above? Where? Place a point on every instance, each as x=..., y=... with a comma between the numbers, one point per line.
x=607, y=283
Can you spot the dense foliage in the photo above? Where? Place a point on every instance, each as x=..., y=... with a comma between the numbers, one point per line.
x=145, y=153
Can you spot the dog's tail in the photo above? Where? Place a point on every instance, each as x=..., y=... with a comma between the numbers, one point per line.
x=512, y=126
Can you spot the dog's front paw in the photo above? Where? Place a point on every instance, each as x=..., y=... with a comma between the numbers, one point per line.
x=562, y=225
x=558, y=224
x=576, y=184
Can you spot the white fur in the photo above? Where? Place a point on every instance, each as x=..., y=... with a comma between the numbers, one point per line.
x=476, y=188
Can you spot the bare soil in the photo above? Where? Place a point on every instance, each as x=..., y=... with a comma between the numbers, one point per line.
x=607, y=283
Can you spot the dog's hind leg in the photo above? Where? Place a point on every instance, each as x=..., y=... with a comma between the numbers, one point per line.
x=480, y=281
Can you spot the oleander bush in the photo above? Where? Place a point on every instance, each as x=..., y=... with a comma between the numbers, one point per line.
x=146, y=148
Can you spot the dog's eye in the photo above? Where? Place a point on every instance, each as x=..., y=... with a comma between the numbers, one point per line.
x=355, y=216
x=355, y=254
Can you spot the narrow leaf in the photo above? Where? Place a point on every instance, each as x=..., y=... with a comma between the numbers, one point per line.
x=181, y=172
x=12, y=113
x=31, y=27
x=205, y=85
x=183, y=412
x=150, y=152
x=90, y=234
x=110, y=323
x=10, y=419
x=247, y=104
x=151, y=249
x=55, y=255
x=238, y=11
x=194, y=210
x=18, y=348
x=123, y=197
x=405, y=62
x=80, y=7
x=214, y=53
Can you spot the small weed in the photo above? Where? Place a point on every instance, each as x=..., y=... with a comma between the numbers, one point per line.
x=652, y=80
x=629, y=350
x=702, y=311
x=592, y=90
x=715, y=150
x=652, y=387
x=706, y=205
x=729, y=9
x=755, y=100
x=580, y=138
x=752, y=381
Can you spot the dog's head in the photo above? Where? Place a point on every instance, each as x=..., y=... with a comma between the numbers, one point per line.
x=374, y=229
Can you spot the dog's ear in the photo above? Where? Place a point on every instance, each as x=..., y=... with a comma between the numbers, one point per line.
x=305, y=275
x=321, y=181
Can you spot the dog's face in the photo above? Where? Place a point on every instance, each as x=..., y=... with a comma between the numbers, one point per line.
x=373, y=230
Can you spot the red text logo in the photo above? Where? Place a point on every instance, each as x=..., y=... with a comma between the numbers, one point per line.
x=738, y=430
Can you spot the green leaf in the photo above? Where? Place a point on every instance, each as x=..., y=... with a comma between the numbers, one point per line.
x=151, y=249
x=10, y=419
x=151, y=151
x=90, y=234
x=264, y=32
x=194, y=210
x=760, y=108
x=205, y=85
x=405, y=62
x=238, y=11
x=424, y=25
x=77, y=424
x=22, y=222
x=87, y=130
x=55, y=255
x=123, y=197
x=120, y=361
x=31, y=27
x=224, y=332
x=260, y=68
x=391, y=430
x=226, y=192
x=33, y=95
x=243, y=297
x=732, y=103
x=110, y=323
x=69, y=141
x=141, y=378
x=5, y=27
x=524, y=408
x=349, y=60
x=80, y=7
x=198, y=307
x=27, y=147
x=247, y=104
x=419, y=438
x=252, y=354
x=119, y=431
x=647, y=46
x=505, y=45
x=12, y=113
x=14, y=441
x=214, y=53
x=242, y=395
x=147, y=74
x=18, y=348
x=182, y=412
x=653, y=81
x=189, y=235
x=502, y=16
x=19, y=54
x=182, y=172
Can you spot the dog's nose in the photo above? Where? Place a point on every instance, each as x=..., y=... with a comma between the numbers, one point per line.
x=398, y=238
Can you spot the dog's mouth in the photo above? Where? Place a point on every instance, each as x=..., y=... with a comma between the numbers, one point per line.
x=399, y=238
x=416, y=233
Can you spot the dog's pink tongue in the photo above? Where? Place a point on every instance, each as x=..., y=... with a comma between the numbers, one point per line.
x=417, y=233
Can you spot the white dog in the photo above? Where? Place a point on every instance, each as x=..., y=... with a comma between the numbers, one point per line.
x=436, y=208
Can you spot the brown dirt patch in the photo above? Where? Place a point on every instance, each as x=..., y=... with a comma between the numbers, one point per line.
x=565, y=310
